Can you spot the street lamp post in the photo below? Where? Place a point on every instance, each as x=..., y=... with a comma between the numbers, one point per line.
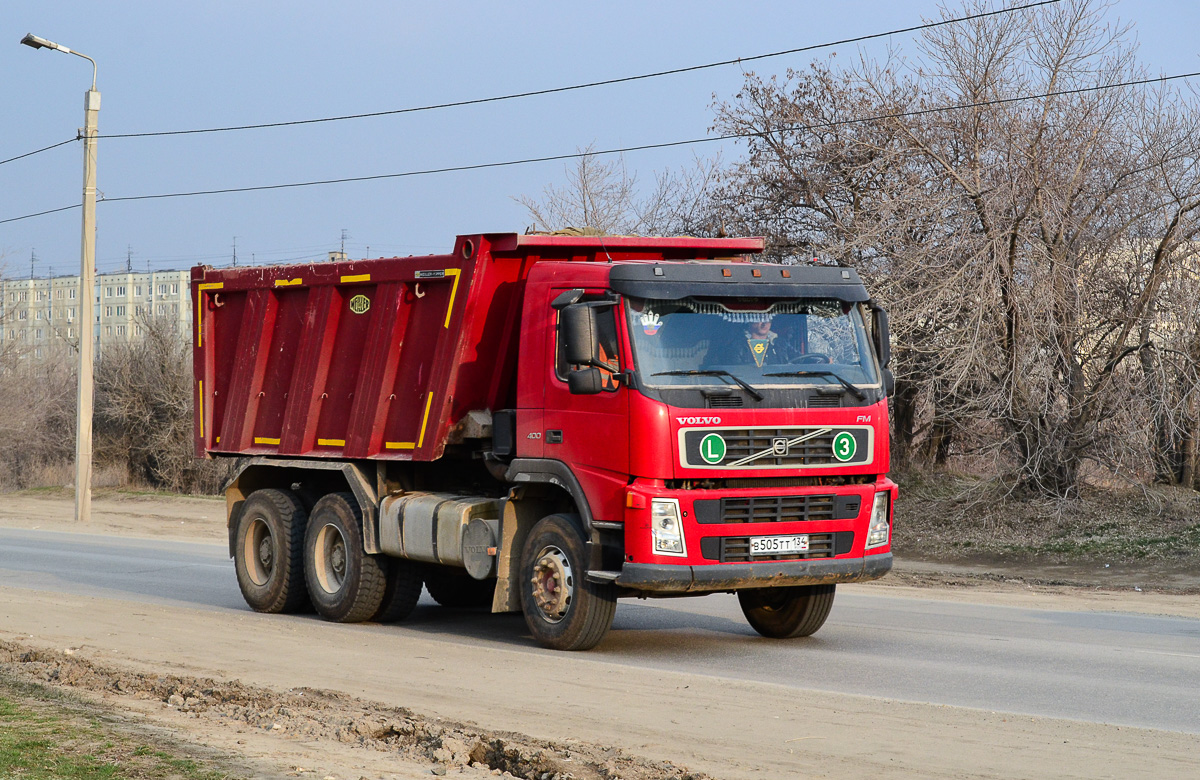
x=87, y=283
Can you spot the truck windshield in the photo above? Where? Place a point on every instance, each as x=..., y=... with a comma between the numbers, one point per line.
x=705, y=341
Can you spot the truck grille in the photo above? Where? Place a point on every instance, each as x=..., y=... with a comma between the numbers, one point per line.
x=736, y=549
x=776, y=509
x=774, y=448
x=742, y=444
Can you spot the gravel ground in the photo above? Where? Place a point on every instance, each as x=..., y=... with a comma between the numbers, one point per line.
x=328, y=716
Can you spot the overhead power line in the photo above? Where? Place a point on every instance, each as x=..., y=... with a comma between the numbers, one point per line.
x=38, y=151
x=620, y=150
x=553, y=90
x=40, y=213
x=591, y=84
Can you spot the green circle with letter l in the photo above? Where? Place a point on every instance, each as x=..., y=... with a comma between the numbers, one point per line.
x=712, y=448
x=844, y=446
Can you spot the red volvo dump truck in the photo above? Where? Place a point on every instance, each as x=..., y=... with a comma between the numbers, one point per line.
x=546, y=423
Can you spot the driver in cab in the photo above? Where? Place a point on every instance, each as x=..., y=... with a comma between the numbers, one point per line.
x=759, y=343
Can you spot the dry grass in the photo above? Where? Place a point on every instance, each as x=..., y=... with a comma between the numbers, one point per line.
x=947, y=515
x=49, y=734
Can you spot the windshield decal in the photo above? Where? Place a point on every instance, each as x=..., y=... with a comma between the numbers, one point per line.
x=651, y=322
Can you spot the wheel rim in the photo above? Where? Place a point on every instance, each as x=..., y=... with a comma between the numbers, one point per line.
x=553, y=583
x=776, y=600
x=330, y=559
x=259, y=552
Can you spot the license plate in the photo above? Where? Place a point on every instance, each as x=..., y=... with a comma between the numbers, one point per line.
x=774, y=545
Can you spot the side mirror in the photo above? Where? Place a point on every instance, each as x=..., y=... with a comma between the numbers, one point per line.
x=883, y=339
x=889, y=381
x=581, y=339
x=585, y=381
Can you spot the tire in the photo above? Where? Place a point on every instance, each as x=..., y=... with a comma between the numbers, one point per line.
x=401, y=591
x=268, y=551
x=345, y=584
x=782, y=613
x=562, y=609
x=458, y=590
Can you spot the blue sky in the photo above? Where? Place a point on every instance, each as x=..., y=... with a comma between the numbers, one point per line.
x=173, y=66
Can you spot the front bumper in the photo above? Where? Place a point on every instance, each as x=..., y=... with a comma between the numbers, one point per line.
x=660, y=578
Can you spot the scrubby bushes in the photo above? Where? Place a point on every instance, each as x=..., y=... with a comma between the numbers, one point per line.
x=142, y=424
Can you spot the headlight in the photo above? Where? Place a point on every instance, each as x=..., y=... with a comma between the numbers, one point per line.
x=879, y=530
x=667, y=528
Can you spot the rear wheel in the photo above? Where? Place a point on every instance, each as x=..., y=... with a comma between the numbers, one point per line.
x=456, y=589
x=781, y=613
x=345, y=584
x=562, y=609
x=269, y=549
x=401, y=592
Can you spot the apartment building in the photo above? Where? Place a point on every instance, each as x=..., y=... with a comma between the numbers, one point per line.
x=40, y=317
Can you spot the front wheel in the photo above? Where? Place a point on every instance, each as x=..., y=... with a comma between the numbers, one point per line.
x=562, y=609
x=782, y=613
x=346, y=585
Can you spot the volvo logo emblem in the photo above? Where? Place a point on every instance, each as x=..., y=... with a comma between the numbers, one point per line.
x=779, y=446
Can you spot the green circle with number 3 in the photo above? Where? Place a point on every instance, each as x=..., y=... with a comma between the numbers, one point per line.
x=844, y=446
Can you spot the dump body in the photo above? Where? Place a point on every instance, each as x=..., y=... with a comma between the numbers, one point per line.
x=374, y=359
x=359, y=359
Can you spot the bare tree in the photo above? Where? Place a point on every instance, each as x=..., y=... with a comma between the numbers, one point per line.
x=602, y=196
x=37, y=418
x=1021, y=216
x=599, y=194
x=144, y=410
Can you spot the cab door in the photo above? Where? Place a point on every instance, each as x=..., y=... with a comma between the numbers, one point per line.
x=590, y=433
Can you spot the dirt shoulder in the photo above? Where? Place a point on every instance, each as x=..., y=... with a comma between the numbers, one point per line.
x=146, y=515
x=306, y=731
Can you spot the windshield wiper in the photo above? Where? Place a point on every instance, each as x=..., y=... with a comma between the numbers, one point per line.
x=825, y=372
x=714, y=372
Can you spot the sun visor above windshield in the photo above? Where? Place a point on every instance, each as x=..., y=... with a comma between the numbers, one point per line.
x=743, y=280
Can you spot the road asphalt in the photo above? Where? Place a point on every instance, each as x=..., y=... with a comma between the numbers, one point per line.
x=1121, y=669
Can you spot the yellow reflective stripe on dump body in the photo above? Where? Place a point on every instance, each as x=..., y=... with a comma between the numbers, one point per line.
x=455, y=272
x=200, y=288
x=412, y=445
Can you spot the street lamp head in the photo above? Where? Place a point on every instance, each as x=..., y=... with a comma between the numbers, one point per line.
x=35, y=42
